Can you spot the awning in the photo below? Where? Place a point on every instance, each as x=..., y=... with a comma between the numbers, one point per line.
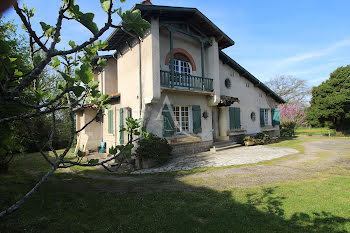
x=227, y=100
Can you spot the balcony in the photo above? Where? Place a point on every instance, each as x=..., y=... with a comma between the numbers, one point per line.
x=185, y=81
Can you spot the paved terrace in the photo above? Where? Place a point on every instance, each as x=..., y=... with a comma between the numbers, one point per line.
x=234, y=156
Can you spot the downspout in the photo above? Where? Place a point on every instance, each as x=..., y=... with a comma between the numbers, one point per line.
x=102, y=114
x=140, y=76
x=115, y=111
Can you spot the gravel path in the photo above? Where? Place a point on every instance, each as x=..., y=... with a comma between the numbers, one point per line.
x=234, y=156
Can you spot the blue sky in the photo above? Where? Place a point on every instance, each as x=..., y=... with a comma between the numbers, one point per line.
x=307, y=39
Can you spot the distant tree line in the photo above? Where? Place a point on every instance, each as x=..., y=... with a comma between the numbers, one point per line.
x=329, y=105
x=330, y=102
x=14, y=136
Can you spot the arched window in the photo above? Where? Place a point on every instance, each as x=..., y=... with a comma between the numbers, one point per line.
x=182, y=64
x=183, y=61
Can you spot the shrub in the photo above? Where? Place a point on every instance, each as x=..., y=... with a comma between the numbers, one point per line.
x=154, y=147
x=262, y=136
x=5, y=159
x=287, y=130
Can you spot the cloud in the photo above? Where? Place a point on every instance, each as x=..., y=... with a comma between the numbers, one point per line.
x=314, y=54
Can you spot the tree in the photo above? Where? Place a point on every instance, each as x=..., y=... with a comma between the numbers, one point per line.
x=291, y=89
x=19, y=52
x=19, y=86
x=291, y=115
x=330, y=102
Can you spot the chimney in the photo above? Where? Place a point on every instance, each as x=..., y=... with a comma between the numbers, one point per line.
x=147, y=2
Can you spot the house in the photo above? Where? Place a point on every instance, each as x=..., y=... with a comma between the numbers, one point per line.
x=181, y=83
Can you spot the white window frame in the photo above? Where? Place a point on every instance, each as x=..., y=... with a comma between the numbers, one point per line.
x=266, y=116
x=178, y=124
x=180, y=68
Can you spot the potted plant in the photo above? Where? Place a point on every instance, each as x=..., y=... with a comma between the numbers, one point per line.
x=153, y=151
x=248, y=141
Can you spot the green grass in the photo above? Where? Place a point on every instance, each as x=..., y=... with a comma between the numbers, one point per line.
x=72, y=203
x=315, y=131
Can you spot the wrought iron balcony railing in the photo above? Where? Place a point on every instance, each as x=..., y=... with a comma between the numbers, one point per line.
x=185, y=81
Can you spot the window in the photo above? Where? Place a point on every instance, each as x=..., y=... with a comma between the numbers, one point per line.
x=253, y=116
x=247, y=85
x=182, y=118
x=266, y=116
x=227, y=83
x=182, y=67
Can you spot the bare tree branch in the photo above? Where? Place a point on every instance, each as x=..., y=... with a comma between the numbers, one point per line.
x=29, y=28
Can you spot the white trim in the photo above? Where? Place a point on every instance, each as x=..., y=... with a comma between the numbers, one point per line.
x=179, y=124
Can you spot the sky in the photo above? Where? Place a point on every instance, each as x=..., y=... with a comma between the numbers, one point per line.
x=307, y=39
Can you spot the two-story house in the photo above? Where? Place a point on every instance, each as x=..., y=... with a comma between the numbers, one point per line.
x=178, y=80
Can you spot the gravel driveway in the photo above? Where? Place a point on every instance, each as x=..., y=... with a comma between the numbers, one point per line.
x=234, y=156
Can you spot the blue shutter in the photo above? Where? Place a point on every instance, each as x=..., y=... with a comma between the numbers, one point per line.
x=262, y=117
x=168, y=122
x=197, y=119
x=275, y=112
x=121, y=125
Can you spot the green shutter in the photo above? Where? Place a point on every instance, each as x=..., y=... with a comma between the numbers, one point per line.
x=275, y=112
x=168, y=122
x=197, y=119
x=235, y=118
x=262, y=117
x=110, y=121
x=232, y=117
x=238, y=118
x=121, y=125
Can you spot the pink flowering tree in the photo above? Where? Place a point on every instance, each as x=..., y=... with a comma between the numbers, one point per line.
x=291, y=115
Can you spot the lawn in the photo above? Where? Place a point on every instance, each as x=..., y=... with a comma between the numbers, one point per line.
x=71, y=202
x=315, y=131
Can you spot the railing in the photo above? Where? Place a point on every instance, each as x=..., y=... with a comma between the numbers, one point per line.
x=185, y=81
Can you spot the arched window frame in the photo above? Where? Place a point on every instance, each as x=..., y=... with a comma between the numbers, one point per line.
x=186, y=54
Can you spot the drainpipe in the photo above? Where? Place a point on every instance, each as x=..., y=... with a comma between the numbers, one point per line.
x=140, y=81
x=102, y=115
x=115, y=113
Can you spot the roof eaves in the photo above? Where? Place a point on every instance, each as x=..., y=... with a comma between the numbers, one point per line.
x=251, y=77
x=187, y=9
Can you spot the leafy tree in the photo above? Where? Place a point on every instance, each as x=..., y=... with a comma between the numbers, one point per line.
x=291, y=89
x=330, y=103
x=291, y=115
x=13, y=47
x=73, y=93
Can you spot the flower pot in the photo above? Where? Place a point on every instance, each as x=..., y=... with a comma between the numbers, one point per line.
x=249, y=143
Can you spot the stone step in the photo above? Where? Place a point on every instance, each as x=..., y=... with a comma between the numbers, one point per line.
x=219, y=146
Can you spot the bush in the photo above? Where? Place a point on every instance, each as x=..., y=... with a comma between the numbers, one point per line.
x=154, y=147
x=287, y=130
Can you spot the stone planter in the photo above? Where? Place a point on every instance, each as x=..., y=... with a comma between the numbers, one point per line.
x=249, y=143
x=148, y=163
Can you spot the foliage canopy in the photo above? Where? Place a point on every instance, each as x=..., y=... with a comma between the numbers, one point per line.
x=330, y=103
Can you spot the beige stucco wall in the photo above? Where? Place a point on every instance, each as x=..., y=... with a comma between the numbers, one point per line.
x=91, y=135
x=150, y=64
x=251, y=98
x=190, y=44
x=154, y=117
x=108, y=77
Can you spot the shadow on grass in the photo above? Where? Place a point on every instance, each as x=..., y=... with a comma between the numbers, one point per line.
x=69, y=203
